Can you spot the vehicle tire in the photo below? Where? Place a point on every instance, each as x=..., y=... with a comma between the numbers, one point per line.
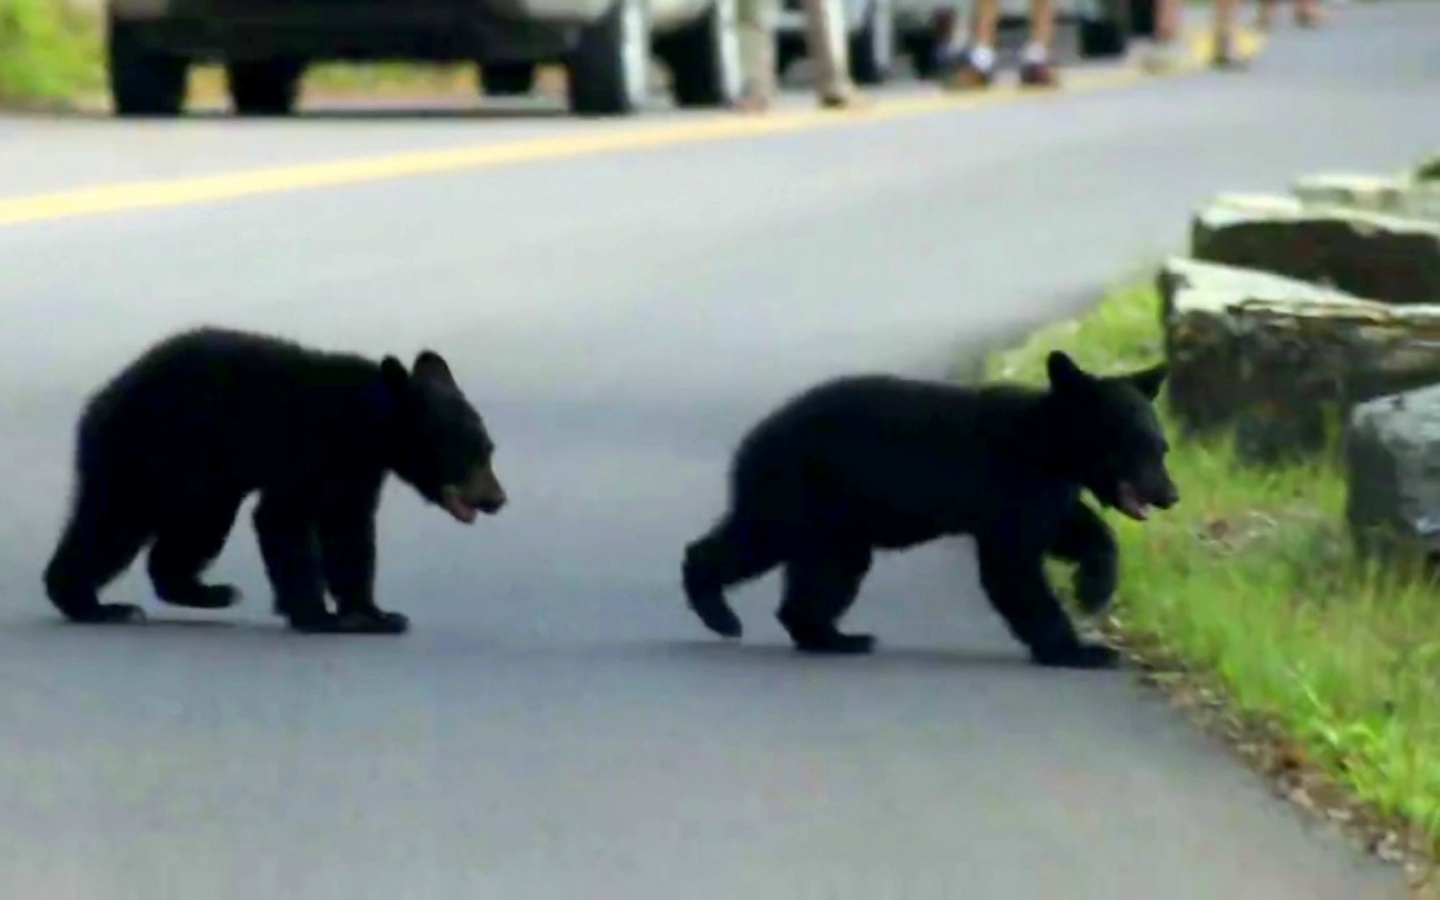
x=508, y=79
x=788, y=51
x=1101, y=38
x=268, y=87
x=1142, y=18
x=609, y=69
x=143, y=82
x=872, y=48
x=921, y=49
x=704, y=58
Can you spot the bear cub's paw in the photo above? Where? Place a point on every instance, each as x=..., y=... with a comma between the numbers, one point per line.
x=837, y=644
x=715, y=613
x=206, y=596
x=1078, y=655
x=375, y=621
x=112, y=614
x=826, y=640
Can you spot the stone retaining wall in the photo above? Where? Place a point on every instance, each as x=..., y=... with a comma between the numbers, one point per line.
x=1300, y=319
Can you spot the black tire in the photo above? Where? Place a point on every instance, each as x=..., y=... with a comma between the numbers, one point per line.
x=609, y=66
x=1142, y=18
x=921, y=50
x=143, y=81
x=872, y=48
x=269, y=87
x=508, y=79
x=1105, y=31
x=704, y=59
x=788, y=51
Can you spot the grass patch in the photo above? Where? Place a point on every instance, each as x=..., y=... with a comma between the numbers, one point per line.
x=49, y=53
x=1251, y=586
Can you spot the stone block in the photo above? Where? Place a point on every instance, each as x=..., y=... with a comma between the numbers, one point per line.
x=1385, y=258
x=1302, y=367
x=1201, y=338
x=1397, y=195
x=1392, y=474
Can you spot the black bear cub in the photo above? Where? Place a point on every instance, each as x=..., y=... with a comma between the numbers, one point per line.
x=171, y=447
x=873, y=462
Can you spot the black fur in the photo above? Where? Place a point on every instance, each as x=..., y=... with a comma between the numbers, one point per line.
x=171, y=447
x=877, y=462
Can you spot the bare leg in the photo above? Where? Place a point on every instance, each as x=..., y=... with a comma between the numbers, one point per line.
x=1036, y=69
x=829, y=48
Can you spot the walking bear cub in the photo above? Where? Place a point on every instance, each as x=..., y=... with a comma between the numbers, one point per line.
x=873, y=462
x=171, y=447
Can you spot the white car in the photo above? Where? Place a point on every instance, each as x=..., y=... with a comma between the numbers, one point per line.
x=265, y=46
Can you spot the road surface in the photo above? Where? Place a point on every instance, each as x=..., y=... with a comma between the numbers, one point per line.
x=558, y=726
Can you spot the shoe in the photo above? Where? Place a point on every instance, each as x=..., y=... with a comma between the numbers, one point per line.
x=751, y=103
x=966, y=76
x=1163, y=59
x=1224, y=56
x=849, y=98
x=1039, y=75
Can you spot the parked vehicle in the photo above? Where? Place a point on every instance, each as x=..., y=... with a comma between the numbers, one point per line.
x=870, y=25
x=265, y=45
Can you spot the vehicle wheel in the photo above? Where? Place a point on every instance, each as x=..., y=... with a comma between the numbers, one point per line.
x=872, y=48
x=143, y=82
x=267, y=87
x=921, y=49
x=1101, y=38
x=508, y=79
x=704, y=58
x=1142, y=18
x=788, y=51
x=609, y=69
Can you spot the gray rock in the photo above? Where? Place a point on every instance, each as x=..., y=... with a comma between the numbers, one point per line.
x=1392, y=472
x=1303, y=366
x=1387, y=258
x=1428, y=168
x=1201, y=334
x=1397, y=195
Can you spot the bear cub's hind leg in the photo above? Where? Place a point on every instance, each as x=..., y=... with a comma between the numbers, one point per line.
x=184, y=547
x=728, y=555
x=103, y=536
x=820, y=586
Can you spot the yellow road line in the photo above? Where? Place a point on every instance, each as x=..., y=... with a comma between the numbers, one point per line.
x=231, y=185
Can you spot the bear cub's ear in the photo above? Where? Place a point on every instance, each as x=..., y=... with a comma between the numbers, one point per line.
x=1064, y=373
x=431, y=366
x=1148, y=381
x=396, y=379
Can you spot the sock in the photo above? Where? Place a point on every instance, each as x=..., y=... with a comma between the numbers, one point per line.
x=982, y=57
x=1033, y=54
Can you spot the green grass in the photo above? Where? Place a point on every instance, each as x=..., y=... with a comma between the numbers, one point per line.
x=48, y=53
x=1251, y=583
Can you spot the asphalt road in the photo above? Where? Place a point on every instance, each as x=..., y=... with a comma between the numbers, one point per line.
x=557, y=725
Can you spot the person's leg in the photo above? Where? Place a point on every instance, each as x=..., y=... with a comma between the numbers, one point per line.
x=828, y=46
x=1225, y=55
x=974, y=66
x=1036, y=69
x=1265, y=14
x=1307, y=13
x=757, y=53
x=1166, y=54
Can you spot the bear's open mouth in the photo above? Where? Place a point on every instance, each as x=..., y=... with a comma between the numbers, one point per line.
x=463, y=510
x=1129, y=502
